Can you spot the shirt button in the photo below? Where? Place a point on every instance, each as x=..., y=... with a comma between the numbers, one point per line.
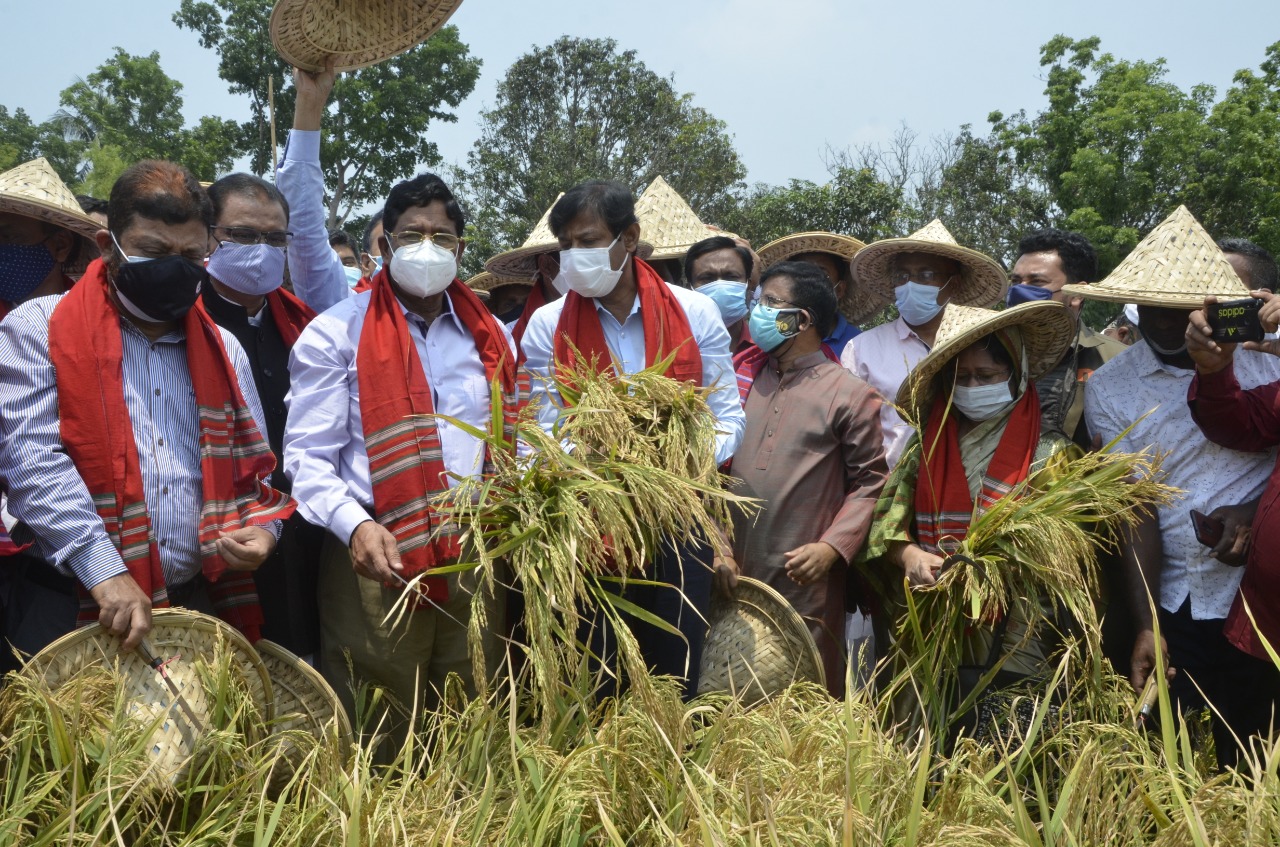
x=164, y=490
x=771, y=433
x=266, y=371
x=160, y=441
x=164, y=543
x=157, y=392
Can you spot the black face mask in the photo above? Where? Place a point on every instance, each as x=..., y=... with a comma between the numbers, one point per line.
x=159, y=290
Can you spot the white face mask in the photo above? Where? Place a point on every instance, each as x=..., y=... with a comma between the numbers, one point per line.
x=424, y=269
x=254, y=269
x=982, y=402
x=589, y=270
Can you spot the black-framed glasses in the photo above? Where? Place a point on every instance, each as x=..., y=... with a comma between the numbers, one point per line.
x=983, y=376
x=444, y=240
x=249, y=235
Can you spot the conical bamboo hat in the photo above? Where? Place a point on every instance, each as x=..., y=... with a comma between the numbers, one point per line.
x=357, y=33
x=984, y=281
x=1177, y=265
x=1048, y=328
x=522, y=262
x=859, y=301
x=34, y=190
x=669, y=223
x=486, y=281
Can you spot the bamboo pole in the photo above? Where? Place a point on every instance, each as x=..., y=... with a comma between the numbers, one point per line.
x=271, y=108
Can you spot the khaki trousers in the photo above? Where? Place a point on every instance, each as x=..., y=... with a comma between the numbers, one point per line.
x=360, y=647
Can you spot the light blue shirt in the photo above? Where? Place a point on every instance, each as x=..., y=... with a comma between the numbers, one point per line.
x=47, y=493
x=626, y=343
x=318, y=277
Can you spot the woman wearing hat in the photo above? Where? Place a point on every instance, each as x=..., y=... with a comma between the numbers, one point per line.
x=975, y=400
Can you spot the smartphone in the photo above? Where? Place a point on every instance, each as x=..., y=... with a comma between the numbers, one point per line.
x=1236, y=320
x=1208, y=530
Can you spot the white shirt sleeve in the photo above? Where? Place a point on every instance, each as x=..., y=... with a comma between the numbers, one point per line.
x=318, y=429
x=249, y=390
x=718, y=374
x=317, y=274
x=538, y=345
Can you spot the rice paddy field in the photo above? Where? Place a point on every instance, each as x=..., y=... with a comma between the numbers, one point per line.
x=539, y=760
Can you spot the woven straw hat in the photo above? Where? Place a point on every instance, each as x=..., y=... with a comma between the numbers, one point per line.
x=1048, y=329
x=358, y=33
x=669, y=224
x=178, y=637
x=486, y=281
x=302, y=699
x=757, y=645
x=1177, y=265
x=859, y=301
x=985, y=282
x=522, y=262
x=34, y=190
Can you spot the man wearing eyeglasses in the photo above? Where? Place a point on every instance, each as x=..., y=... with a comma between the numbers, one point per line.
x=368, y=455
x=249, y=236
x=921, y=274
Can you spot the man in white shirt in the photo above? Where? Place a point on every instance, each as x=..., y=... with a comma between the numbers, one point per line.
x=368, y=376
x=613, y=295
x=1144, y=390
x=921, y=274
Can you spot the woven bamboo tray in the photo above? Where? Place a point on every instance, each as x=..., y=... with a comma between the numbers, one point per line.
x=177, y=637
x=757, y=645
x=303, y=700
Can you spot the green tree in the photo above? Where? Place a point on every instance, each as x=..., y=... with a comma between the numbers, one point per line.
x=1238, y=189
x=21, y=140
x=1116, y=149
x=129, y=109
x=856, y=201
x=376, y=132
x=580, y=109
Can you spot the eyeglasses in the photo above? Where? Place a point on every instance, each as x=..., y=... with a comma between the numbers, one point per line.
x=927, y=277
x=982, y=377
x=249, y=235
x=443, y=240
x=774, y=303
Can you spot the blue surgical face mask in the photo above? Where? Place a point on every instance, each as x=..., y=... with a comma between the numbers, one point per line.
x=730, y=296
x=917, y=302
x=353, y=275
x=253, y=269
x=1026, y=293
x=22, y=268
x=765, y=331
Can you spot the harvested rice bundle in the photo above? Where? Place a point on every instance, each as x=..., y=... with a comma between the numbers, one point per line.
x=575, y=525
x=1031, y=561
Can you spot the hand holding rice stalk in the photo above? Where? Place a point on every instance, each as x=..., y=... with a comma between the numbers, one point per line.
x=1033, y=553
x=630, y=462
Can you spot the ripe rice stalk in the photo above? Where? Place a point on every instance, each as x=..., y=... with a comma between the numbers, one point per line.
x=579, y=513
x=1033, y=555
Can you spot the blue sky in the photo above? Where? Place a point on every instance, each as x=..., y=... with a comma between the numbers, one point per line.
x=789, y=78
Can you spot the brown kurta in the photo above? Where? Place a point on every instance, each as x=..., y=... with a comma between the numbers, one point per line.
x=812, y=452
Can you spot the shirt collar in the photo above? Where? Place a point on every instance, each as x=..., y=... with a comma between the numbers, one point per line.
x=635, y=307
x=446, y=308
x=905, y=331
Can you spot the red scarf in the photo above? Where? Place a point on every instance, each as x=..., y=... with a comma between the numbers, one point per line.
x=666, y=330
x=537, y=299
x=289, y=314
x=406, y=464
x=944, y=507
x=235, y=460
x=365, y=284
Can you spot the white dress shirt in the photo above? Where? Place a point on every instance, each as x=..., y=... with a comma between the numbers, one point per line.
x=324, y=452
x=626, y=343
x=883, y=356
x=1126, y=388
x=47, y=493
x=317, y=274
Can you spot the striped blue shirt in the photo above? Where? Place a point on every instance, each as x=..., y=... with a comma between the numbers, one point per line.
x=46, y=493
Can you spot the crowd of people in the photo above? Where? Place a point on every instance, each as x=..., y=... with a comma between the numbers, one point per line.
x=282, y=459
